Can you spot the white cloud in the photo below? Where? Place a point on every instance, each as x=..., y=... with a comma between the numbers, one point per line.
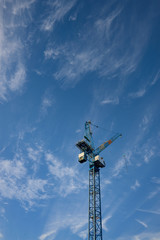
x=67, y=178
x=118, y=167
x=33, y=153
x=104, y=25
x=58, y=9
x=12, y=70
x=18, y=79
x=156, y=78
x=104, y=221
x=76, y=64
x=20, y=6
x=138, y=94
x=75, y=220
x=149, y=211
x=149, y=153
x=78, y=130
x=46, y=103
x=156, y=180
x=47, y=234
x=1, y=235
x=142, y=236
x=49, y=53
x=141, y=92
x=83, y=234
x=154, y=193
x=142, y=223
x=16, y=183
x=73, y=18
x=113, y=101
x=101, y=53
x=11, y=169
x=57, y=169
x=106, y=181
x=136, y=185
x=146, y=121
x=147, y=236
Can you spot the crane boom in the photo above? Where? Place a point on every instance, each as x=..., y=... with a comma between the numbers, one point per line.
x=106, y=144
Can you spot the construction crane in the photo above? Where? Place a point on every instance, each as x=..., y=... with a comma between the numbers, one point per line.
x=91, y=154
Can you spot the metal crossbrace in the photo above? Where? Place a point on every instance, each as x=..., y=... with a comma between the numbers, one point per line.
x=95, y=220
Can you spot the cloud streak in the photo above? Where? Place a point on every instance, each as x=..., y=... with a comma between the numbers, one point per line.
x=67, y=178
x=64, y=218
x=58, y=9
x=136, y=185
x=142, y=236
x=149, y=211
x=113, y=101
x=100, y=52
x=12, y=64
x=142, y=223
x=15, y=183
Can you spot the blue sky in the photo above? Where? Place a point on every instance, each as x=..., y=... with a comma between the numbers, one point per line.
x=63, y=62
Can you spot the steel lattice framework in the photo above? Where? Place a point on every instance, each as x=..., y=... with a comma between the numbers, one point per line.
x=88, y=152
x=95, y=220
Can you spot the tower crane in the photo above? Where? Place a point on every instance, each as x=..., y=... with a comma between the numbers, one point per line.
x=89, y=153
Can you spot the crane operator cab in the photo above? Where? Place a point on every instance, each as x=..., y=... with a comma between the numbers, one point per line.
x=82, y=157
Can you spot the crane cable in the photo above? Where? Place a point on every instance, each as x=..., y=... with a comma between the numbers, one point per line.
x=102, y=128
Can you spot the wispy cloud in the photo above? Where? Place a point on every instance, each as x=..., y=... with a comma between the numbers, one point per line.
x=105, y=220
x=143, y=90
x=76, y=64
x=78, y=130
x=142, y=236
x=47, y=102
x=13, y=70
x=47, y=234
x=138, y=94
x=146, y=120
x=148, y=154
x=113, y=101
x=15, y=183
x=21, y=6
x=33, y=153
x=142, y=223
x=101, y=52
x=1, y=235
x=67, y=177
x=154, y=193
x=83, y=234
x=18, y=79
x=20, y=179
x=118, y=167
x=64, y=218
x=156, y=78
x=58, y=9
x=136, y=185
x=106, y=181
x=156, y=180
x=149, y=211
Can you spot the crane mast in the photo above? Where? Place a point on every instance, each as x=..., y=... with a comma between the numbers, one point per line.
x=88, y=152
